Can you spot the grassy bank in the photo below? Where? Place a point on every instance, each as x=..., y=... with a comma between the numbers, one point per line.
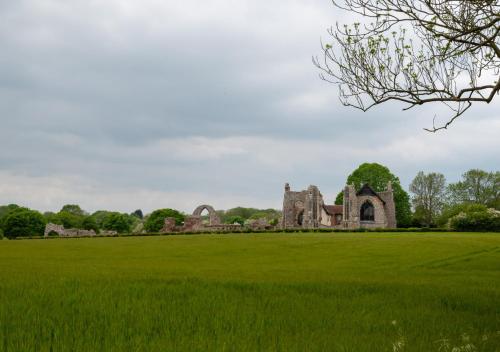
x=293, y=292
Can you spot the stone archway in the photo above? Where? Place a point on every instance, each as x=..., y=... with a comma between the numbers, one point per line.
x=214, y=218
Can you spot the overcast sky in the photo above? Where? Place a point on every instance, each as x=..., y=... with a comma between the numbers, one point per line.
x=121, y=104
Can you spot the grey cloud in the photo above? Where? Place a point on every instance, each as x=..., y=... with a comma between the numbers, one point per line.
x=205, y=100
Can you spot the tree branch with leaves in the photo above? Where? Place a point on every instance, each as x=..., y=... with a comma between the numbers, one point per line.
x=416, y=52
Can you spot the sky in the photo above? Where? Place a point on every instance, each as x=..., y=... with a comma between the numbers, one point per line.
x=123, y=104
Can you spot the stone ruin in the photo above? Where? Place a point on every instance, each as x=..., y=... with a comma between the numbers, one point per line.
x=62, y=232
x=194, y=223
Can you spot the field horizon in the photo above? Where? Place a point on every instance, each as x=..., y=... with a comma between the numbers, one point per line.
x=247, y=292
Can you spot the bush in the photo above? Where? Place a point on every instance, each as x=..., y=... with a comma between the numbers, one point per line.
x=67, y=219
x=24, y=222
x=483, y=220
x=452, y=211
x=117, y=222
x=156, y=219
x=89, y=223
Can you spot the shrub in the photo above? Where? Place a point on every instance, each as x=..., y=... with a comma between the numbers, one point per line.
x=156, y=219
x=24, y=222
x=452, y=211
x=117, y=222
x=89, y=223
x=482, y=220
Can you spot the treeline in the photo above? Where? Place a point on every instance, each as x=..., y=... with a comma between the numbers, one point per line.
x=472, y=204
x=17, y=221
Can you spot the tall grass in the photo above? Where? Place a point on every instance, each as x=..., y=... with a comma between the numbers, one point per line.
x=310, y=292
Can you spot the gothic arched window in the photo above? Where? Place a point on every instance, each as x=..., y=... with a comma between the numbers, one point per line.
x=367, y=212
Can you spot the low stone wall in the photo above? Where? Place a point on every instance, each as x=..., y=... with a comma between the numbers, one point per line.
x=62, y=232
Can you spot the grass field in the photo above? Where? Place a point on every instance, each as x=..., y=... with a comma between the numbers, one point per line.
x=266, y=292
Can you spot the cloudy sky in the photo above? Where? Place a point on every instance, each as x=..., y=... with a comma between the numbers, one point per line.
x=122, y=104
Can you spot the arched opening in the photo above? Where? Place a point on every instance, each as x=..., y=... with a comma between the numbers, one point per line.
x=367, y=212
x=300, y=218
x=205, y=217
x=207, y=212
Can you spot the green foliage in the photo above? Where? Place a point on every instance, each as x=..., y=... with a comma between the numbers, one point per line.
x=138, y=214
x=4, y=210
x=23, y=222
x=73, y=209
x=428, y=197
x=249, y=213
x=156, y=219
x=276, y=292
x=100, y=216
x=244, y=213
x=339, y=200
x=477, y=186
x=68, y=219
x=474, y=217
x=377, y=176
x=476, y=221
x=89, y=223
x=453, y=210
x=118, y=222
x=234, y=219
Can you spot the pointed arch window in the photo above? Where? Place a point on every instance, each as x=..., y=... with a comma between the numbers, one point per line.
x=367, y=212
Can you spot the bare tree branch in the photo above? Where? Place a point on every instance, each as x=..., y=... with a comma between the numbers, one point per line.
x=416, y=52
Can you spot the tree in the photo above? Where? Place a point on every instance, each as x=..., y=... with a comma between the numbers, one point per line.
x=156, y=219
x=138, y=214
x=89, y=223
x=4, y=211
x=117, y=222
x=73, y=209
x=377, y=176
x=339, y=200
x=428, y=195
x=24, y=222
x=476, y=186
x=415, y=52
x=68, y=219
x=234, y=219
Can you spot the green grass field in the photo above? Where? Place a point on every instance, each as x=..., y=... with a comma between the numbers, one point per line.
x=266, y=292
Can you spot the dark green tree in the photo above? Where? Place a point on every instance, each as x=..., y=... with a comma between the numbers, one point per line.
x=339, y=200
x=24, y=222
x=89, y=223
x=118, y=222
x=156, y=219
x=4, y=211
x=138, y=214
x=234, y=219
x=74, y=209
x=67, y=219
x=377, y=176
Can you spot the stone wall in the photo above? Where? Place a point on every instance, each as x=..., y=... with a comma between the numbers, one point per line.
x=62, y=232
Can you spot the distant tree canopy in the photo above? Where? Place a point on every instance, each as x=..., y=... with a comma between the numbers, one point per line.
x=118, y=222
x=248, y=214
x=415, y=52
x=234, y=219
x=138, y=213
x=73, y=209
x=155, y=220
x=476, y=186
x=23, y=222
x=377, y=176
x=428, y=196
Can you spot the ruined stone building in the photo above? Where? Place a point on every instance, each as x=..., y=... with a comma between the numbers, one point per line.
x=364, y=208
